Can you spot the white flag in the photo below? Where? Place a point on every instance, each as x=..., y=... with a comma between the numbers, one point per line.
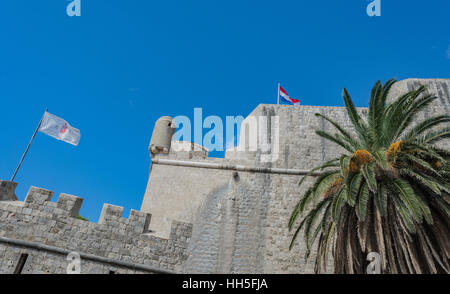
x=59, y=129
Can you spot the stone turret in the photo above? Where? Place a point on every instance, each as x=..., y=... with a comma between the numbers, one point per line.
x=162, y=135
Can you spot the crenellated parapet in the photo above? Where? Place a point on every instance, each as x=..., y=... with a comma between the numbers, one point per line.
x=51, y=229
x=111, y=215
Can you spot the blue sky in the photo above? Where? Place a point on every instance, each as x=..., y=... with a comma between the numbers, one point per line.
x=122, y=64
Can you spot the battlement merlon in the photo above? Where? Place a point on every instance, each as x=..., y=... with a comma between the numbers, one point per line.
x=111, y=215
x=39, y=200
x=7, y=191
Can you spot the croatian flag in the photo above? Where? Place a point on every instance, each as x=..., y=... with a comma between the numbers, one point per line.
x=285, y=97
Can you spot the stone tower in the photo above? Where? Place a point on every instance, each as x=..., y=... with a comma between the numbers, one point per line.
x=239, y=205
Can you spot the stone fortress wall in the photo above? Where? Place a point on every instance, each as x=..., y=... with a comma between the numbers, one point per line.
x=208, y=215
x=40, y=234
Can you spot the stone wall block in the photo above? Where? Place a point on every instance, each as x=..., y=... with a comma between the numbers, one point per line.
x=70, y=203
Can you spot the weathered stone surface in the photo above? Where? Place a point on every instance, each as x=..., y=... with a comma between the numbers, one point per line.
x=7, y=191
x=39, y=221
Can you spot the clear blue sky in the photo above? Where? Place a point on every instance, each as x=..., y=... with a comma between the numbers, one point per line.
x=113, y=71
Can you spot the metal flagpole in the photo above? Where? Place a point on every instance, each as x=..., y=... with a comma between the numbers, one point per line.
x=28, y=147
x=278, y=93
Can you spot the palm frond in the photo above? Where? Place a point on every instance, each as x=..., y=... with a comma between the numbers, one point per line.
x=361, y=203
x=336, y=140
x=355, y=118
x=426, y=125
x=348, y=137
x=434, y=136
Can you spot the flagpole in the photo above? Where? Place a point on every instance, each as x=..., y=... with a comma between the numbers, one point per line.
x=278, y=93
x=28, y=147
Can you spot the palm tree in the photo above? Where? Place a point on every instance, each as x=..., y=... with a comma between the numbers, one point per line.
x=389, y=193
